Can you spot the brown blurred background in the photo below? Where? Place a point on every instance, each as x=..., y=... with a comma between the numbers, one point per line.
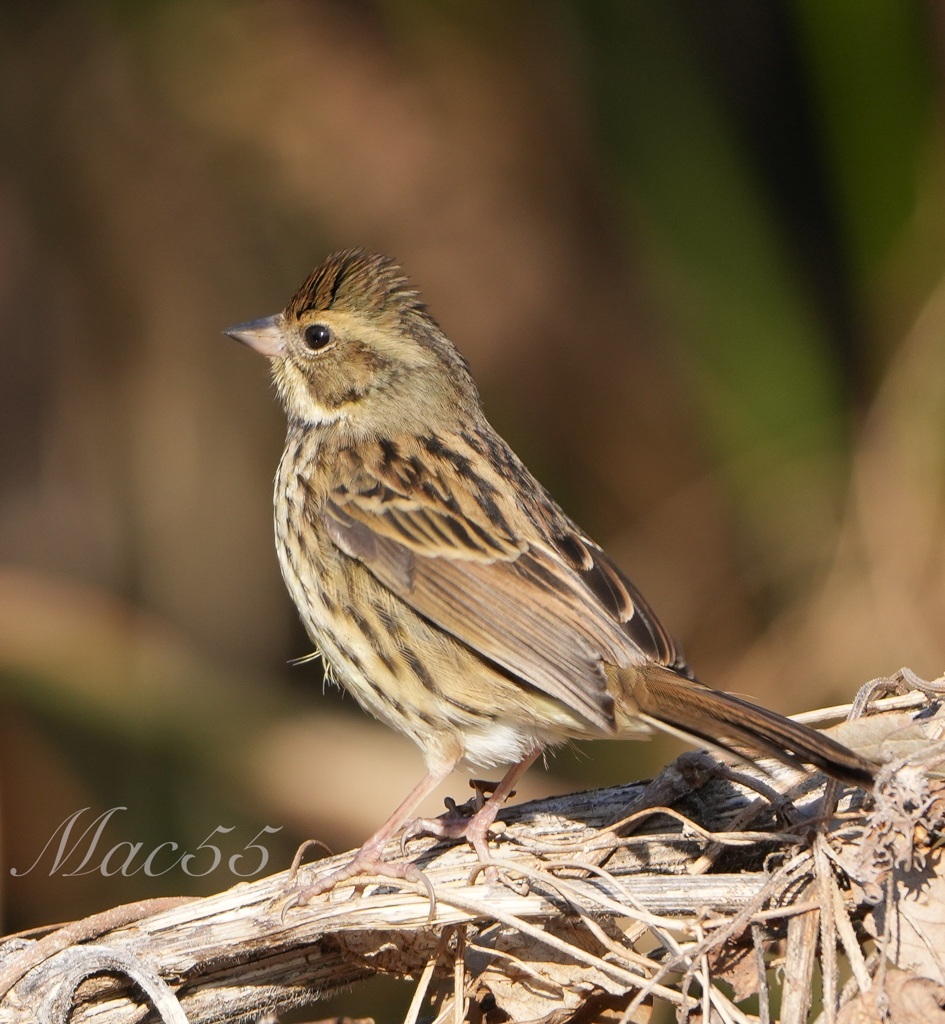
x=693, y=252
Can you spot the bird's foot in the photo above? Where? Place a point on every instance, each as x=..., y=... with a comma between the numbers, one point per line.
x=476, y=827
x=367, y=862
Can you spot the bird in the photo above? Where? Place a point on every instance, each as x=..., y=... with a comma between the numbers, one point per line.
x=443, y=585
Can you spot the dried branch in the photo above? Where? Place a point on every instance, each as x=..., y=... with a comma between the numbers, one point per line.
x=607, y=902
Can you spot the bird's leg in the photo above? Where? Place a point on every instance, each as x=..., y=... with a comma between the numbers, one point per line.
x=475, y=829
x=368, y=860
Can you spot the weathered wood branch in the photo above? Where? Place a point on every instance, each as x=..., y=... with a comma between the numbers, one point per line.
x=615, y=898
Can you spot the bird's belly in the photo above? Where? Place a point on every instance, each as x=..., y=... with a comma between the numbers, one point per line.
x=405, y=670
x=421, y=691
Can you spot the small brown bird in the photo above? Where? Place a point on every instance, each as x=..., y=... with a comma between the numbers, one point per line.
x=441, y=582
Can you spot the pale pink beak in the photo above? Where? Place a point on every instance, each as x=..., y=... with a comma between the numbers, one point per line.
x=264, y=336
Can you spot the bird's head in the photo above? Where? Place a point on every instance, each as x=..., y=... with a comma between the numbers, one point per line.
x=356, y=347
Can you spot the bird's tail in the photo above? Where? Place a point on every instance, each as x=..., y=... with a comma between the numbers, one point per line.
x=676, y=704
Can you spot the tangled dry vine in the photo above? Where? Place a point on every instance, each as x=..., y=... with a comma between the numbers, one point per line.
x=730, y=892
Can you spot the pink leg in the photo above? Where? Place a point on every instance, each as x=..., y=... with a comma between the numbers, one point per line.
x=475, y=830
x=368, y=861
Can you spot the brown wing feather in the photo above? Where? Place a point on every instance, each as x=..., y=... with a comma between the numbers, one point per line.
x=514, y=581
x=513, y=611
x=622, y=599
x=522, y=587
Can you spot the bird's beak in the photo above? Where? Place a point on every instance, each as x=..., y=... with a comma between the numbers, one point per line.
x=264, y=336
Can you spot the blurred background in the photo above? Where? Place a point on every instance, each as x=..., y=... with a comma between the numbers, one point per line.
x=694, y=253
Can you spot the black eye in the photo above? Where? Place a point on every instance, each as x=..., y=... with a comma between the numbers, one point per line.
x=317, y=336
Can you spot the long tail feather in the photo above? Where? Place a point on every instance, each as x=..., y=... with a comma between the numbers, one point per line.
x=673, y=702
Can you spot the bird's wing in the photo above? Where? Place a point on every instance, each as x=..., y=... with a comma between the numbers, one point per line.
x=541, y=602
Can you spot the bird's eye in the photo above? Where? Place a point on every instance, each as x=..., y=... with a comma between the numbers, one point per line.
x=317, y=336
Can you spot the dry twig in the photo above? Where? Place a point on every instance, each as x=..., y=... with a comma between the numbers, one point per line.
x=663, y=906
